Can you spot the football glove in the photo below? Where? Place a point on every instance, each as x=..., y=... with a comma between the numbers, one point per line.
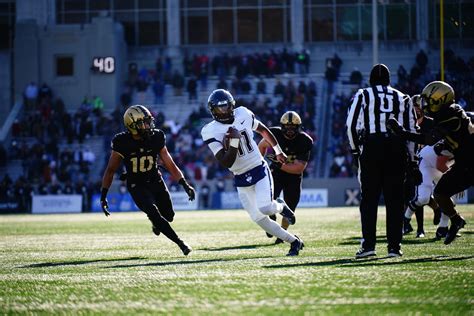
x=274, y=160
x=414, y=173
x=355, y=160
x=103, y=201
x=189, y=189
x=394, y=126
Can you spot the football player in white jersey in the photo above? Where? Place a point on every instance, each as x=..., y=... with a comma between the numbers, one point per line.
x=433, y=163
x=252, y=176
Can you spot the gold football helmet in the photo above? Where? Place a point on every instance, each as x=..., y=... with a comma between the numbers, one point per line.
x=139, y=121
x=437, y=95
x=290, y=124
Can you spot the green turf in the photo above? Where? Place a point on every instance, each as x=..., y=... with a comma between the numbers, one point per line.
x=90, y=264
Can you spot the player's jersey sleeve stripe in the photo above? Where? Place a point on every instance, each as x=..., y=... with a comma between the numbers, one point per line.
x=211, y=140
x=119, y=154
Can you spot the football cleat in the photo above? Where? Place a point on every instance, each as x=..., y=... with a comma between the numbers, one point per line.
x=295, y=247
x=287, y=212
x=457, y=222
x=185, y=248
x=420, y=234
x=364, y=253
x=394, y=253
x=407, y=228
x=441, y=232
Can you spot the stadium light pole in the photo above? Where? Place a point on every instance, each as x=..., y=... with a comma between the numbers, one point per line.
x=441, y=38
x=375, y=34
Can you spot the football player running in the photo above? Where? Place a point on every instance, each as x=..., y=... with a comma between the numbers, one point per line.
x=139, y=149
x=288, y=177
x=454, y=126
x=251, y=173
x=432, y=166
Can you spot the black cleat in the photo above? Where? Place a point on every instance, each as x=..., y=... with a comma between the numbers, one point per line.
x=437, y=216
x=278, y=241
x=441, y=232
x=295, y=248
x=156, y=230
x=457, y=222
x=287, y=212
x=394, y=253
x=364, y=253
x=407, y=226
x=269, y=235
x=420, y=234
x=185, y=248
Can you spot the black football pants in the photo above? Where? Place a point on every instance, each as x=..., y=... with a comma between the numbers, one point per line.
x=154, y=199
x=382, y=169
x=290, y=185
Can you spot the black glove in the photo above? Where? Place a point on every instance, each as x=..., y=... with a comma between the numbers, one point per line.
x=189, y=189
x=394, y=126
x=355, y=160
x=274, y=160
x=103, y=201
x=414, y=172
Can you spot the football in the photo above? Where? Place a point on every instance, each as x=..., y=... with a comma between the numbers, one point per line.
x=226, y=141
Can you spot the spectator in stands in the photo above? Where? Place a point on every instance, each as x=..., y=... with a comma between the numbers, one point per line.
x=31, y=96
x=356, y=77
x=177, y=83
x=159, y=91
x=45, y=93
x=402, y=75
x=97, y=105
x=192, y=88
x=421, y=60
x=222, y=84
x=279, y=89
x=261, y=86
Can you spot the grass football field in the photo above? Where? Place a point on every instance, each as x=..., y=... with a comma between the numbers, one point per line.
x=90, y=264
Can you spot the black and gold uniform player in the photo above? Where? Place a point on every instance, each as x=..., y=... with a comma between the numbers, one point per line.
x=454, y=126
x=297, y=145
x=139, y=149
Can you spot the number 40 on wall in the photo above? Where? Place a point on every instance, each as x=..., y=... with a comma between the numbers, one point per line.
x=104, y=65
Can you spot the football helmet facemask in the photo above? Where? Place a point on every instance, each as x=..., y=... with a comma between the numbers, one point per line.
x=436, y=96
x=139, y=121
x=416, y=99
x=290, y=124
x=221, y=105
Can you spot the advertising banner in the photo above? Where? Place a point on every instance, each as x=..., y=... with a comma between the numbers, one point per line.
x=44, y=204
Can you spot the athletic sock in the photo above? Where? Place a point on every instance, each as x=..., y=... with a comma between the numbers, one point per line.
x=274, y=229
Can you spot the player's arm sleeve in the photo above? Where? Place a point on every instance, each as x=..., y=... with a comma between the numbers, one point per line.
x=254, y=121
x=353, y=117
x=118, y=146
x=214, y=145
x=410, y=125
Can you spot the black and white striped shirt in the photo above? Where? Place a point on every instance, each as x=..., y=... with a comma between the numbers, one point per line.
x=372, y=107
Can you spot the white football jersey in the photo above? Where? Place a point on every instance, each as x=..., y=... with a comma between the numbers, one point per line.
x=429, y=157
x=248, y=155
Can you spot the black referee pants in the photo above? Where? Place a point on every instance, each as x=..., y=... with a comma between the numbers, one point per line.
x=382, y=169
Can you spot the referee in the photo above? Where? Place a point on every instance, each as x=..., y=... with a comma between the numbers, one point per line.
x=382, y=157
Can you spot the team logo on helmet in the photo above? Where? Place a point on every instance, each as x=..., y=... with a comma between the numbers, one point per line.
x=437, y=95
x=221, y=105
x=290, y=124
x=139, y=121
